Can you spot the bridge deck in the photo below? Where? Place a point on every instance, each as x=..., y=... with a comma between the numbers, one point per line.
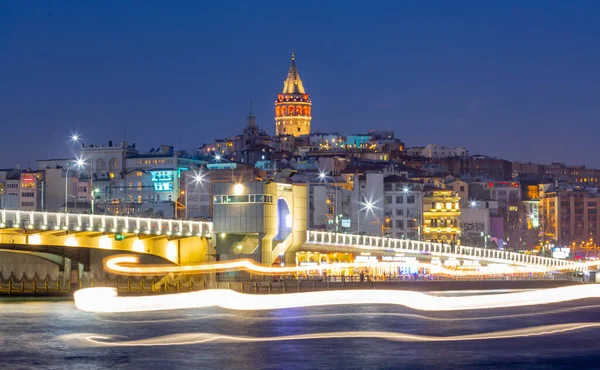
x=102, y=223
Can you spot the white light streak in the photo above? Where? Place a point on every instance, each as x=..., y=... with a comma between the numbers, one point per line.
x=99, y=340
x=125, y=265
x=106, y=299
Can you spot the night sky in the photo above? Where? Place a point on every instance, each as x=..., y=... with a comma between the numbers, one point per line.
x=514, y=79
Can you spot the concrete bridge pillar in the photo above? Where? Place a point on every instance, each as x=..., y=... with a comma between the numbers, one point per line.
x=67, y=272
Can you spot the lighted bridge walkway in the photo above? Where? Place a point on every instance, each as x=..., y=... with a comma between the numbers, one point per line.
x=179, y=241
x=325, y=238
x=10, y=219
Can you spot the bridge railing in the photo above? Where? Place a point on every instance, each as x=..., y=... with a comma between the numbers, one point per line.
x=415, y=246
x=103, y=223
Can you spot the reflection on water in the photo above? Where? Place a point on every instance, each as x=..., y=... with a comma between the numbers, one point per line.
x=49, y=334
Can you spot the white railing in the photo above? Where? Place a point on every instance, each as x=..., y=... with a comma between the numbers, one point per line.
x=414, y=246
x=102, y=223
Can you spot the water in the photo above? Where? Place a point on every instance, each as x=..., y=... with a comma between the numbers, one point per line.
x=32, y=336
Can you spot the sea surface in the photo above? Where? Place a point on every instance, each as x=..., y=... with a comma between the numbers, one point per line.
x=53, y=334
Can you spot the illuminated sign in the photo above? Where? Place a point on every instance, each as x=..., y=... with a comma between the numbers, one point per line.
x=561, y=253
x=158, y=176
x=163, y=180
x=346, y=222
x=27, y=181
x=163, y=186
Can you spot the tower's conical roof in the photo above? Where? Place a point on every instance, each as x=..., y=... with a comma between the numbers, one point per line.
x=293, y=83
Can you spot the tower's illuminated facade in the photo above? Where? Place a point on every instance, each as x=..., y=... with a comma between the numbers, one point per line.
x=293, y=106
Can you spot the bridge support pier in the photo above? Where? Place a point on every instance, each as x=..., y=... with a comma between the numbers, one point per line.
x=67, y=272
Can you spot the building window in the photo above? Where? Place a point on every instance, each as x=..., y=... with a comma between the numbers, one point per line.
x=399, y=224
x=399, y=199
x=26, y=204
x=399, y=212
x=410, y=199
x=387, y=199
x=28, y=194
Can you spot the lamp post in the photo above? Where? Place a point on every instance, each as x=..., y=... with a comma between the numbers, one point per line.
x=368, y=207
x=198, y=179
x=79, y=163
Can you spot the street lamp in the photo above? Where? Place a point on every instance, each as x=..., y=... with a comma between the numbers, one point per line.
x=218, y=158
x=198, y=179
x=79, y=163
x=367, y=207
x=76, y=138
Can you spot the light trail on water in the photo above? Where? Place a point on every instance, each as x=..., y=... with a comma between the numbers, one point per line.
x=99, y=340
x=107, y=300
x=353, y=315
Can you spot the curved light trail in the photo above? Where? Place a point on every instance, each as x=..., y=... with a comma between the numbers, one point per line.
x=106, y=299
x=354, y=315
x=99, y=340
x=129, y=265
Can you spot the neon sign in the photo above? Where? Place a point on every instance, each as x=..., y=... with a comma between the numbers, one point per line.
x=158, y=176
x=162, y=180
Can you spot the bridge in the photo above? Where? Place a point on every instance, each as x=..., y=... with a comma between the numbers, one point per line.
x=41, y=233
x=342, y=242
x=183, y=242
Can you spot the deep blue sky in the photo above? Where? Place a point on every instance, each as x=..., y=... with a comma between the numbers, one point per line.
x=513, y=79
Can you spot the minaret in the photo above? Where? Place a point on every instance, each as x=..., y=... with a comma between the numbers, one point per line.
x=293, y=106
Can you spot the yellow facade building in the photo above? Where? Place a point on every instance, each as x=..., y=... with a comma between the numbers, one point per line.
x=293, y=106
x=441, y=216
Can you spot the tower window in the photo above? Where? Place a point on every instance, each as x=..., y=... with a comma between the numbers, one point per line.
x=298, y=129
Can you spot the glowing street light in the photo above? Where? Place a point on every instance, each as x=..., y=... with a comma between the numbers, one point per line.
x=367, y=206
x=79, y=164
x=238, y=189
x=198, y=179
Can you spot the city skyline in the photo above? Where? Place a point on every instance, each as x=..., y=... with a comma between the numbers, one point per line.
x=123, y=74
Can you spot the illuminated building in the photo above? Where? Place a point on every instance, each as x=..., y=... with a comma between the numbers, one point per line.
x=329, y=206
x=441, y=215
x=569, y=218
x=293, y=106
x=437, y=151
x=122, y=180
x=389, y=205
x=508, y=196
